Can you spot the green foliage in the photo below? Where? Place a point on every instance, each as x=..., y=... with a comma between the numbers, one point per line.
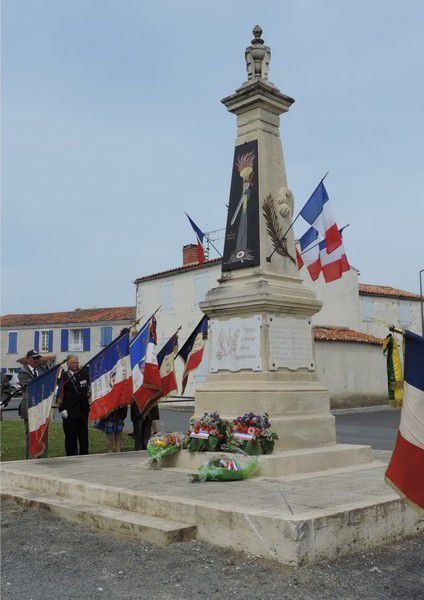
x=13, y=441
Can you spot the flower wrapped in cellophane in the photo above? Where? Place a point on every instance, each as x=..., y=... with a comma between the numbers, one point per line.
x=227, y=468
x=162, y=445
x=206, y=433
x=251, y=433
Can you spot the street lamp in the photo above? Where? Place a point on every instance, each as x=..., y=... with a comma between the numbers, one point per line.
x=422, y=302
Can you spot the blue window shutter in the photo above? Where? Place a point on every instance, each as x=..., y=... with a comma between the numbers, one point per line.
x=3, y=370
x=105, y=335
x=86, y=339
x=50, y=341
x=37, y=341
x=64, y=340
x=13, y=342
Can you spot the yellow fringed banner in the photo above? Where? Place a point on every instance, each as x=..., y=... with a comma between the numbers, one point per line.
x=394, y=370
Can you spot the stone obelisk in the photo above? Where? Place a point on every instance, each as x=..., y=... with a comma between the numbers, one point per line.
x=261, y=343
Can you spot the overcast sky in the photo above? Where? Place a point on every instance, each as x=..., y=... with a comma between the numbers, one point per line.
x=112, y=127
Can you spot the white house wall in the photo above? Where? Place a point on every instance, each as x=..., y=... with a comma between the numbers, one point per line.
x=385, y=312
x=355, y=374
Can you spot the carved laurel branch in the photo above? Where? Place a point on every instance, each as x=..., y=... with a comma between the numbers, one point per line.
x=274, y=229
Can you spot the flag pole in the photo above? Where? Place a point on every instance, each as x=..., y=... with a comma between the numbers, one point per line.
x=5, y=402
x=268, y=258
x=318, y=243
x=208, y=238
x=180, y=327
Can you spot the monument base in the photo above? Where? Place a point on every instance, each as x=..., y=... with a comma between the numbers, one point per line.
x=306, y=519
x=288, y=463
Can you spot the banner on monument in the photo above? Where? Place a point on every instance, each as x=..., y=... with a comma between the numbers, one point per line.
x=241, y=247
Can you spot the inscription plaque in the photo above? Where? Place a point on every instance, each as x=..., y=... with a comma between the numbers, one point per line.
x=290, y=343
x=236, y=344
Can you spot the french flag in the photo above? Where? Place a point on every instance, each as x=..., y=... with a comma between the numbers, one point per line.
x=110, y=377
x=200, y=237
x=317, y=260
x=318, y=214
x=41, y=394
x=166, y=363
x=309, y=253
x=147, y=386
x=192, y=351
x=406, y=468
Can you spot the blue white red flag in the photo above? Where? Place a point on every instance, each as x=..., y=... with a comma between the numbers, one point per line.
x=147, y=388
x=110, y=377
x=41, y=394
x=192, y=351
x=166, y=363
x=200, y=237
x=317, y=213
x=314, y=256
x=406, y=467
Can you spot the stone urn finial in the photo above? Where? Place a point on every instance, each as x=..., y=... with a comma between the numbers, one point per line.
x=257, y=56
x=257, y=32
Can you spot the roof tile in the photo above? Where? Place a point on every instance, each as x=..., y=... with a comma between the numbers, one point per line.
x=341, y=334
x=386, y=290
x=79, y=315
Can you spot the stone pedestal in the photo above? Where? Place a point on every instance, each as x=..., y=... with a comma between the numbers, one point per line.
x=261, y=341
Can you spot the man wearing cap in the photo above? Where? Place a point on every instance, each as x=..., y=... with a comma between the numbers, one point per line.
x=29, y=372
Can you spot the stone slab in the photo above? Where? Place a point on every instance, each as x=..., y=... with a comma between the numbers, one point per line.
x=155, y=530
x=294, y=522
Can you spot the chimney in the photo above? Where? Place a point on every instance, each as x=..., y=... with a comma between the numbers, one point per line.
x=190, y=254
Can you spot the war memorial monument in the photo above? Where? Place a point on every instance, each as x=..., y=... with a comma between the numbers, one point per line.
x=311, y=498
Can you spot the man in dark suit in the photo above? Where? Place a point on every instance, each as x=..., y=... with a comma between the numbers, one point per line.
x=74, y=407
x=29, y=371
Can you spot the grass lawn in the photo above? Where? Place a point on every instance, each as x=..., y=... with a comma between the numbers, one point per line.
x=13, y=441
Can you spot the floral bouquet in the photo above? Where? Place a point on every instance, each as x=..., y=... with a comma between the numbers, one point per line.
x=226, y=468
x=251, y=433
x=206, y=433
x=162, y=445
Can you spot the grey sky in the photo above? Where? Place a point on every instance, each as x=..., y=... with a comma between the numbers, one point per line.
x=112, y=127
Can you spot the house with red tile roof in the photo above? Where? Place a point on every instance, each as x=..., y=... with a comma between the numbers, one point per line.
x=83, y=331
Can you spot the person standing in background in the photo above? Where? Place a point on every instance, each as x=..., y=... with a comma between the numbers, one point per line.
x=30, y=371
x=74, y=406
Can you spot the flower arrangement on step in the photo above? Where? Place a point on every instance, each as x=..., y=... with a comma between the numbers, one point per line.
x=251, y=433
x=226, y=468
x=206, y=433
x=162, y=445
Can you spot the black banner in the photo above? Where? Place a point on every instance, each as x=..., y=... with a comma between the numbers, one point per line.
x=241, y=248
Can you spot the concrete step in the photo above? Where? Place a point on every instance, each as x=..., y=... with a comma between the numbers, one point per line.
x=289, y=463
x=156, y=530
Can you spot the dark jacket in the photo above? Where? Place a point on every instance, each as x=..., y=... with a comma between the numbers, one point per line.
x=75, y=393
